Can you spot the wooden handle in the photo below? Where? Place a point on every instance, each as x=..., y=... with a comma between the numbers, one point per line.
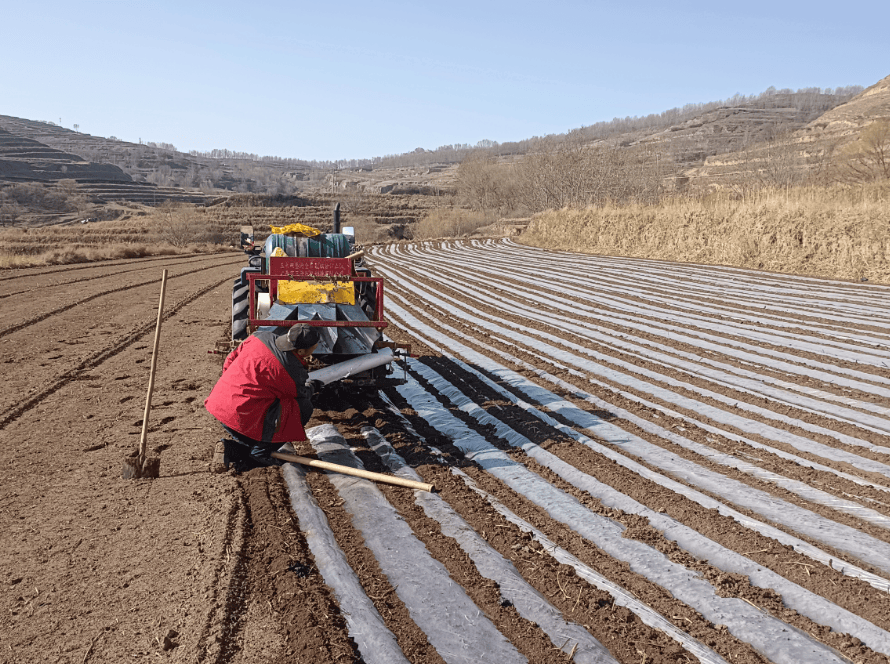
x=356, y=472
x=143, y=440
x=356, y=255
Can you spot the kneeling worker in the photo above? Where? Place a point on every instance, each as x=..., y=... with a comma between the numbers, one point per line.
x=264, y=396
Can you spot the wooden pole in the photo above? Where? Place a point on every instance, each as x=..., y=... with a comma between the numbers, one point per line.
x=143, y=440
x=148, y=467
x=356, y=255
x=356, y=472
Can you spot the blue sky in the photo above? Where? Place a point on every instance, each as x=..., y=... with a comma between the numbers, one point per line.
x=341, y=80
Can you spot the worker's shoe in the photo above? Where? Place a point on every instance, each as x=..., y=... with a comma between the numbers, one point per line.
x=230, y=455
x=218, y=462
x=261, y=457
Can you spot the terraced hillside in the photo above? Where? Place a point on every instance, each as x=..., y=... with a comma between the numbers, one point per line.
x=694, y=147
x=635, y=461
x=731, y=128
x=26, y=160
x=152, y=164
x=40, y=152
x=793, y=153
x=391, y=213
x=138, y=160
x=846, y=120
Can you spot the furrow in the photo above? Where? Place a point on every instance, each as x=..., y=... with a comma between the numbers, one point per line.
x=120, y=343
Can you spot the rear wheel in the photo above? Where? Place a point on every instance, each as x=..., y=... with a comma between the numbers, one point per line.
x=366, y=294
x=240, y=310
x=367, y=300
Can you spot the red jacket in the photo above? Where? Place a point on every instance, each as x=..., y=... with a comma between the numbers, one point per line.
x=261, y=392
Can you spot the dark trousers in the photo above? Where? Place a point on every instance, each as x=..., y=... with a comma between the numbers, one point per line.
x=251, y=446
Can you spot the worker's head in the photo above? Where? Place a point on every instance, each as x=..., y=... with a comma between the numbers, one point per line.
x=300, y=338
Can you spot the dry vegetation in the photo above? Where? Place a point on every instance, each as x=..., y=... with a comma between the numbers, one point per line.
x=778, y=212
x=451, y=222
x=565, y=173
x=167, y=230
x=832, y=231
x=19, y=198
x=868, y=158
x=70, y=254
x=179, y=228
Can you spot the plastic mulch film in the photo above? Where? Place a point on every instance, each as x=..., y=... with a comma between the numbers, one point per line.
x=617, y=438
x=777, y=640
x=568, y=636
x=376, y=643
x=453, y=624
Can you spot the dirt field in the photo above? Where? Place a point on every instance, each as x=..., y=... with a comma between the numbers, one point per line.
x=635, y=461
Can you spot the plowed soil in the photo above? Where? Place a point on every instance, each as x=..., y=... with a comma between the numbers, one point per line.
x=776, y=384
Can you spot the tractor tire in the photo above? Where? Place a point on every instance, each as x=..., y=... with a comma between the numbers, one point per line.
x=367, y=299
x=240, y=311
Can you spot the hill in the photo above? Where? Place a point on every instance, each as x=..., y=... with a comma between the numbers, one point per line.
x=60, y=176
x=679, y=148
x=157, y=172
x=776, y=137
x=27, y=160
x=799, y=153
x=848, y=119
x=51, y=175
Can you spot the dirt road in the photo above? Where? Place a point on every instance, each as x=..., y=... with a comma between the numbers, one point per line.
x=635, y=461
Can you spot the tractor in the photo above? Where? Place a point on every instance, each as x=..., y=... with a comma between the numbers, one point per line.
x=300, y=275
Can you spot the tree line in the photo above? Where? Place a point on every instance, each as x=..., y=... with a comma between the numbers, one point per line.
x=577, y=173
x=161, y=164
x=813, y=101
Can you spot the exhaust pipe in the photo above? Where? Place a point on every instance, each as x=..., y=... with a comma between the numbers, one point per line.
x=337, y=218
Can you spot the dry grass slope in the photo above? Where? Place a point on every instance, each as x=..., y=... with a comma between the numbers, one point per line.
x=164, y=231
x=451, y=222
x=173, y=228
x=833, y=232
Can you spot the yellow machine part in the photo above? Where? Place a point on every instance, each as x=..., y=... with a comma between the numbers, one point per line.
x=296, y=229
x=311, y=292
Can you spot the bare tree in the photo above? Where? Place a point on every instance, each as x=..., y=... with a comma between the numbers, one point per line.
x=67, y=187
x=178, y=225
x=481, y=182
x=780, y=166
x=10, y=211
x=576, y=174
x=868, y=159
